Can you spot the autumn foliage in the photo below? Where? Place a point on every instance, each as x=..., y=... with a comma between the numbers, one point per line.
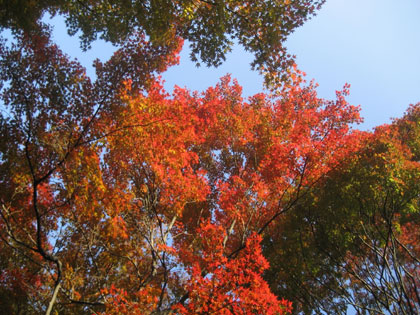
x=353, y=240
x=117, y=197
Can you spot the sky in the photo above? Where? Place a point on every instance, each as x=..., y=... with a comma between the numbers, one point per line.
x=374, y=45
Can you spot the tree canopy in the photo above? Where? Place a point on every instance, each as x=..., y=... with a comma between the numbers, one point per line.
x=211, y=27
x=354, y=239
x=117, y=197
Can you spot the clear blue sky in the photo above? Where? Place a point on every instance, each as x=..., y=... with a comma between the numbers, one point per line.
x=372, y=44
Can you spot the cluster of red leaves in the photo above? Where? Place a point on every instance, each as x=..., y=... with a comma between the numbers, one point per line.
x=223, y=285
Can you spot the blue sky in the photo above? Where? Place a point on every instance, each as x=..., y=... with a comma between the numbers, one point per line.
x=372, y=44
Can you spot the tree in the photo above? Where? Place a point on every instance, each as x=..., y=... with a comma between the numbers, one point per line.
x=354, y=241
x=211, y=27
x=50, y=106
x=118, y=198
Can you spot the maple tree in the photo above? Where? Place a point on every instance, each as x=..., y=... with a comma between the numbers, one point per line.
x=354, y=240
x=211, y=27
x=119, y=198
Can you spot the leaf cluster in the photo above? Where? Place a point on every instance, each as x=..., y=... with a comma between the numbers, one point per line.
x=210, y=27
x=352, y=239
